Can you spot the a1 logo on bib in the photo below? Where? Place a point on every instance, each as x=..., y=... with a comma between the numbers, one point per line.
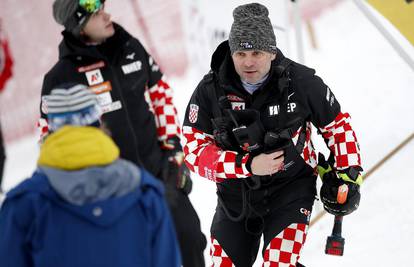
x=238, y=105
x=94, y=77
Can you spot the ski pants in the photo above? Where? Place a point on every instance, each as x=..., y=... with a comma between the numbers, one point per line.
x=277, y=207
x=187, y=225
x=284, y=232
x=2, y=158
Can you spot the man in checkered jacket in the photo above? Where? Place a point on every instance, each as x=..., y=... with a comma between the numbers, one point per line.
x=136, y=102
x=248, y=129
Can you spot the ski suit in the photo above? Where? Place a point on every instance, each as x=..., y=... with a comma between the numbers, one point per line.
x=249, y=206
x=138, y=111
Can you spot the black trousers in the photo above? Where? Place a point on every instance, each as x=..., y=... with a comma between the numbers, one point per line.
x=271, y=208
x=242, y=245
x=187, y=225
x=2, y=158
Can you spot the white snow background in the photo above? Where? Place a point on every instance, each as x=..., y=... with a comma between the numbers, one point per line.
x=376, y=87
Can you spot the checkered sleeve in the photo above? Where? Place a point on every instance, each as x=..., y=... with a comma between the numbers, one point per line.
x=43, y=129
x=161, y=103
x=203, y=157
x=342, y=142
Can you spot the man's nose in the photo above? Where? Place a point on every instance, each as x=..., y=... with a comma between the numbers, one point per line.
x=248, y=62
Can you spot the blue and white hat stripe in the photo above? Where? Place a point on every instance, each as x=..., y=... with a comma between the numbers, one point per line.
x=87, y=116
x=72, y=105
x=71, y=99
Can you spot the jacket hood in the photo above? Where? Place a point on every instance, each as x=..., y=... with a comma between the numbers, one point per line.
x=71, y=46
x=101, y=213
x=94, y=184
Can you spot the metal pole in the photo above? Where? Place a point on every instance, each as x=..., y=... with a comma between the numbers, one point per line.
x=298, y=31
x=397, y=47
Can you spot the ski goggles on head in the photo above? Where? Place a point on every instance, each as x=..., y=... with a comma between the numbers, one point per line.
x=85, y=9
x=91, y=6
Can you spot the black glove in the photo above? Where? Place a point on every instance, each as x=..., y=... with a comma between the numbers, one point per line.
x=175, y=173
x=347, y=182
x=223, y=135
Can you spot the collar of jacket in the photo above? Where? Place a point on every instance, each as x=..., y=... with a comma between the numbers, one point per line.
x=77, y=147
x=71, y=46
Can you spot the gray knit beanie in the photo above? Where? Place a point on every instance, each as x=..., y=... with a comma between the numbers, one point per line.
x=252, y=29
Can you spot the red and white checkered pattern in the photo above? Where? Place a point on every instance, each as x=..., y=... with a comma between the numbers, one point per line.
x=203, y=157
x=342, y=142
x=218, y=256
x=284, y=249
x=43, y=128
x=161, y=104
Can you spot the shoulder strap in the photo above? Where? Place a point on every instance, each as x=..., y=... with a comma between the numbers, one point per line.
x=283, y=85
x=219, y=99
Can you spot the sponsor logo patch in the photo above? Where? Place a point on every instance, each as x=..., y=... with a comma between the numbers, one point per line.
x=132, y=67
x=154, y=66
x=274, y=110
x=130, y=56
x=291, y=107
x=329, y=96
x=111, y=107
x=238, y=105
x=94, y=66
x=101, y=88
x=246, y=45
x=104, y=98
x=235, y=98
x=306, y=212
x=193, y=113
x=94, y=77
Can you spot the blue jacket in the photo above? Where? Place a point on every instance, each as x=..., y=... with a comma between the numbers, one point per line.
x=46, y=223
x=126, y=231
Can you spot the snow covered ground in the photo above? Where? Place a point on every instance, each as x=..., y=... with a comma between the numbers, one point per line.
x=376, y=87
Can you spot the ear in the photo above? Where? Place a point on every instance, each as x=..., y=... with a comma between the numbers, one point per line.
x=273, y=56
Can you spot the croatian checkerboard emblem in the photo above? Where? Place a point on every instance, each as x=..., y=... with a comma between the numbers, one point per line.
x=193, y=114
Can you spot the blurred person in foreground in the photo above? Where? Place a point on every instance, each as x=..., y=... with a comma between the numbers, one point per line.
x=84, y=206
x=137, y=105
x=248, y=129
x=6, y=64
